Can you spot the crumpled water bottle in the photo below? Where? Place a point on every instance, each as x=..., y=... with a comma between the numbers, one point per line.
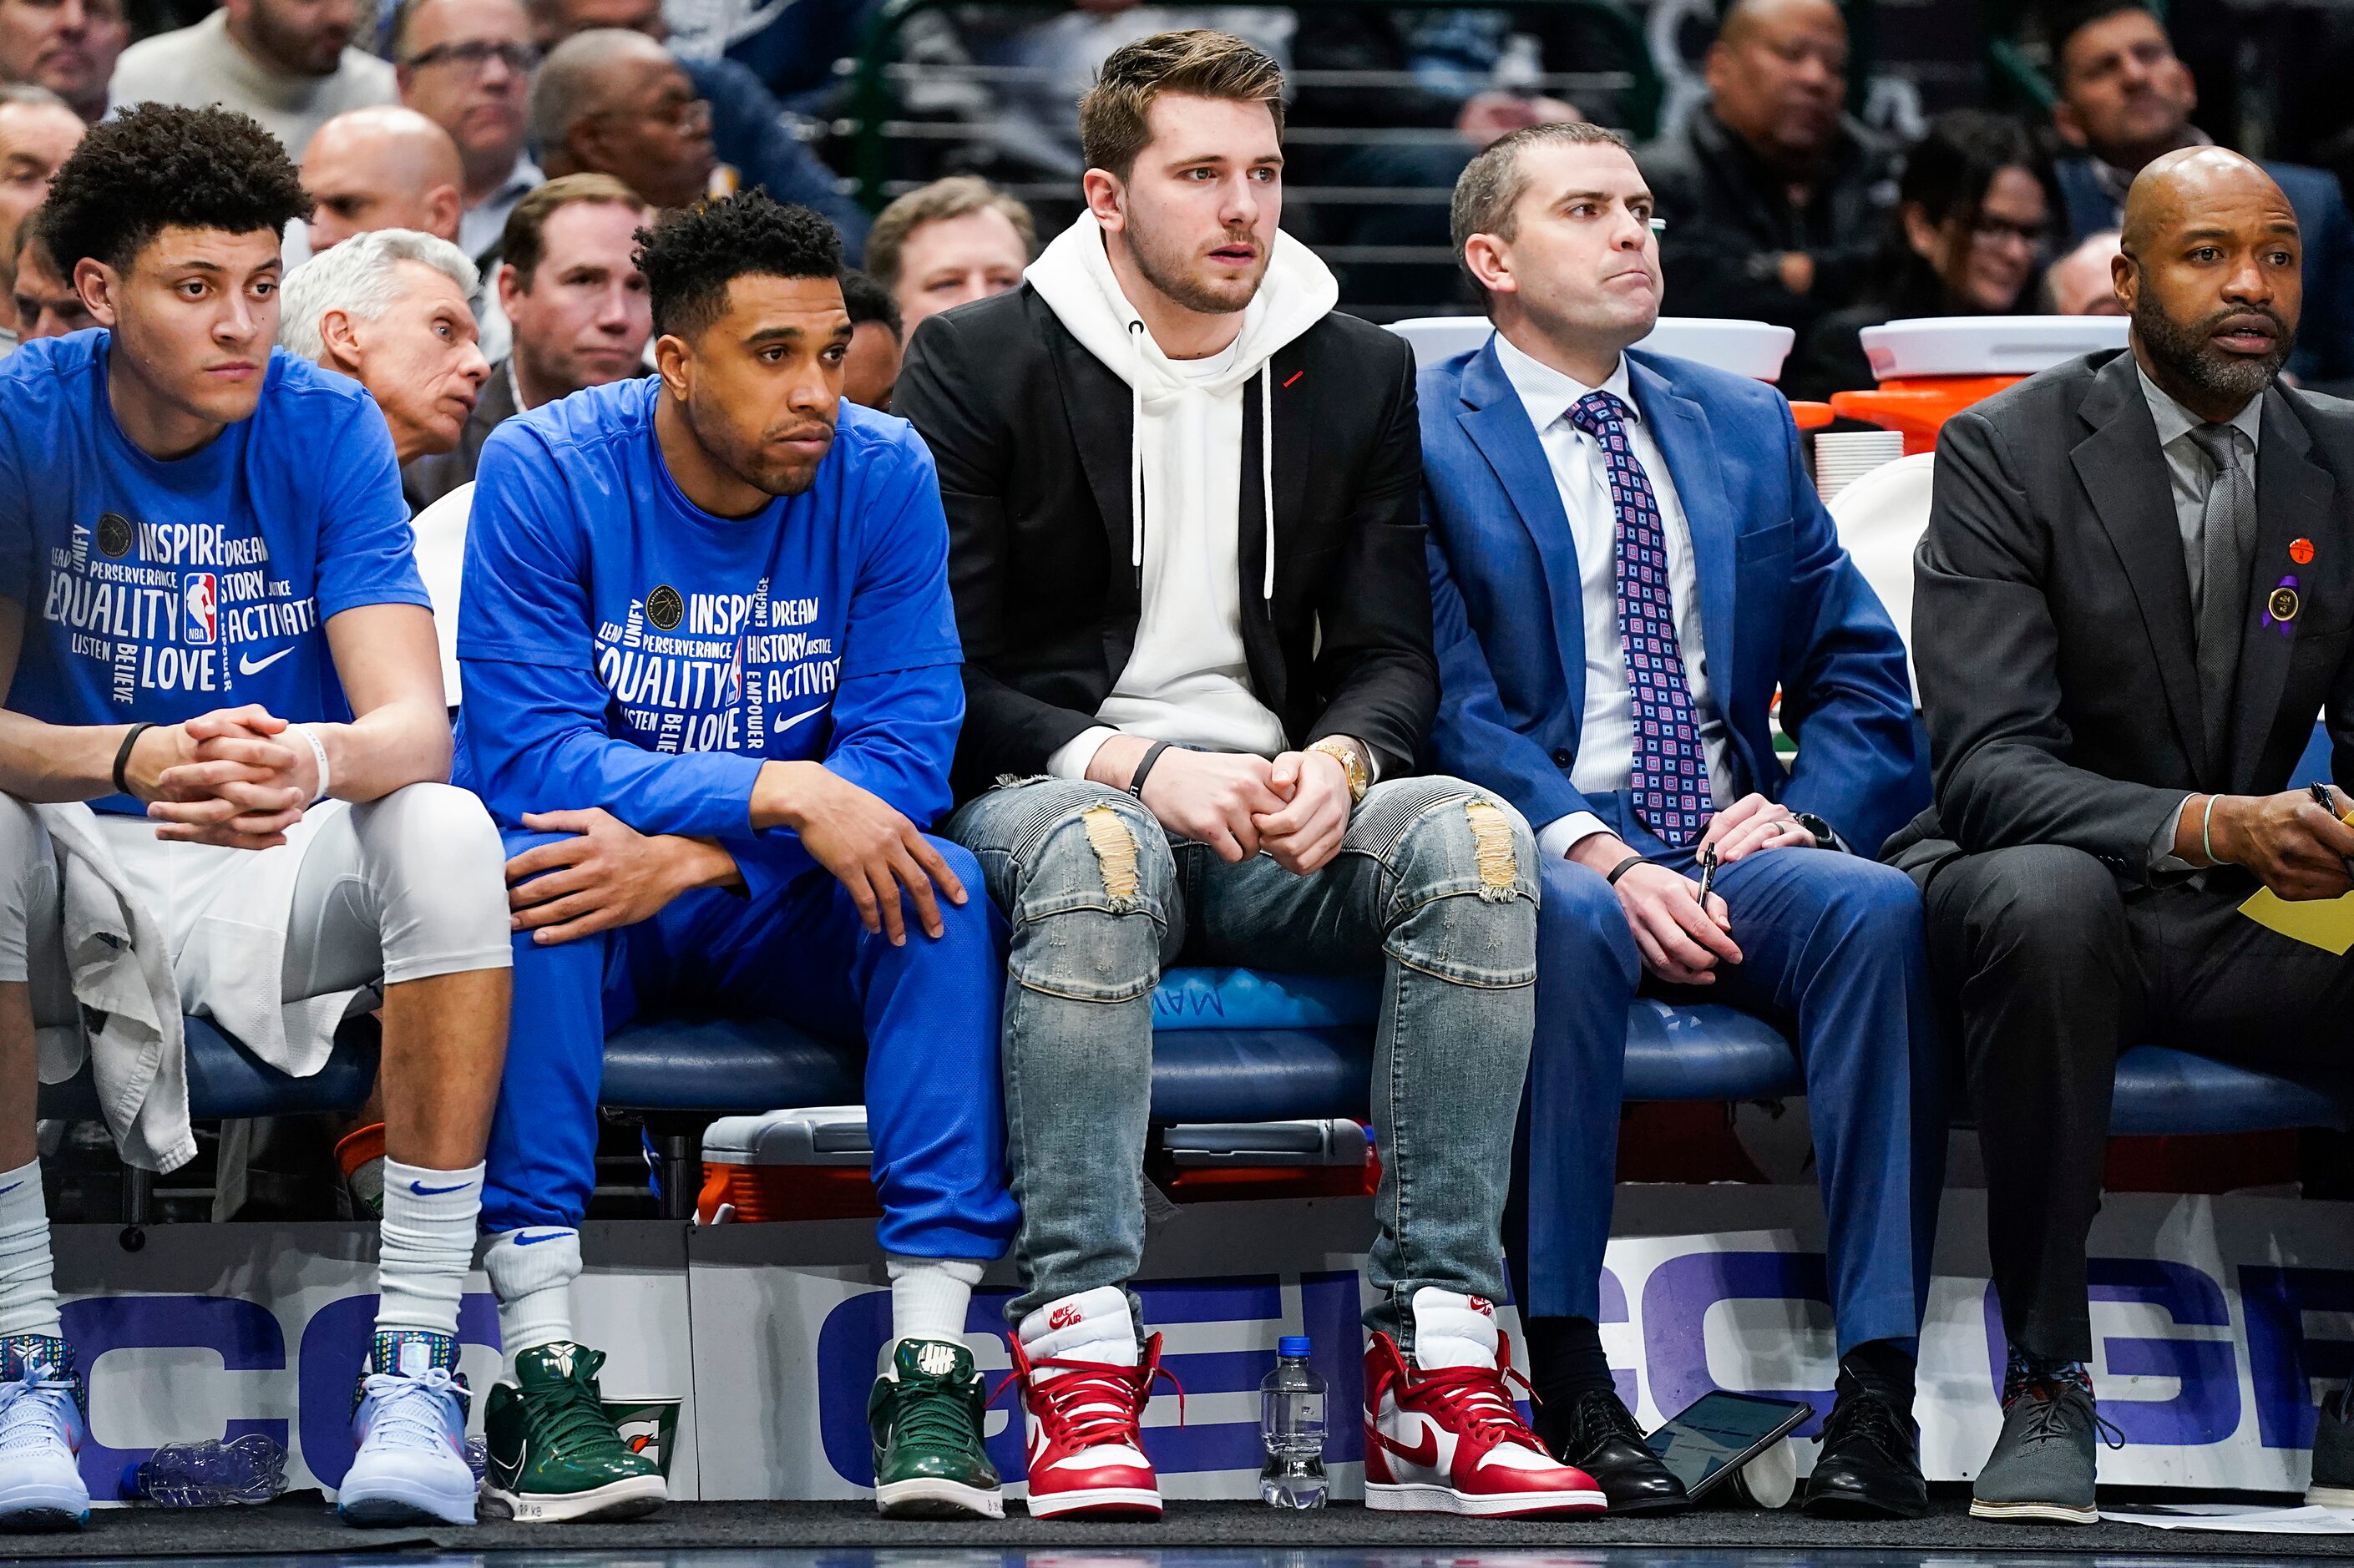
x=1291, y=1428
x=212, y=1474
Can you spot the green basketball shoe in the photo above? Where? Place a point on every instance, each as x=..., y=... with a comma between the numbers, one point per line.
x=552, y=1454
x=925, y=1415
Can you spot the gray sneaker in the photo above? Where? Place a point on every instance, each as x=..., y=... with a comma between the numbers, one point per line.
x=2041, y=1466
x=2333, y=1455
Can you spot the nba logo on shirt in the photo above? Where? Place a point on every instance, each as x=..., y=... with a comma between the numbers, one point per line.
x=200, y=593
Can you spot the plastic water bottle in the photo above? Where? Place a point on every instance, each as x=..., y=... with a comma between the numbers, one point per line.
x=212, y=1474
x=1291, y=1428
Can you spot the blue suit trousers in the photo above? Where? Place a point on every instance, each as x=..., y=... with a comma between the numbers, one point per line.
x=1832, y=950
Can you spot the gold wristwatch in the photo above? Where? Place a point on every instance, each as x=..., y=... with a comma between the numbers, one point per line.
x=1354, y=760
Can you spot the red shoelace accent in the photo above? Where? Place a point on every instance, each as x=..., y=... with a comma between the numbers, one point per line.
x=1475, y=1401
x=1091, y=1403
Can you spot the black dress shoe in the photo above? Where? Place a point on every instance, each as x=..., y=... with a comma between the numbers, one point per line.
x=1596, y=1434
x=1870, y=1466
x=2333, y=1453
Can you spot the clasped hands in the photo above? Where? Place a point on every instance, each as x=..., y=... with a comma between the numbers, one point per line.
x=1295, y=809
x=232, y=777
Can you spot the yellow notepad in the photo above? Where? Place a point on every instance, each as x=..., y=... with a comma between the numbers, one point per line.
x=2324, y=923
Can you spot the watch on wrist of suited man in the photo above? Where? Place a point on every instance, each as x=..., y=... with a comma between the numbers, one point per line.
x=1825, y=839
x=1355, y=759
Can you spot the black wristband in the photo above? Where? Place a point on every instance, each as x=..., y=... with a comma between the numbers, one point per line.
x=123, y=757
x=1622, y=868
x=1144, y=766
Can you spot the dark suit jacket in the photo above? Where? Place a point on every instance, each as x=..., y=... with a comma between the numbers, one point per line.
x=2053, y=629
x=1729, y=220
x=1031, y=433
x=426, y=480
x=2325, y=339
x=1781, y=605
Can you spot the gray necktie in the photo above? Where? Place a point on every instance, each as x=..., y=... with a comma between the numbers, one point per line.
x=2227, y=541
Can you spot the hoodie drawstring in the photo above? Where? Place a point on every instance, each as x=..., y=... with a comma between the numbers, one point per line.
x=1266, y=468
x=1135, y=459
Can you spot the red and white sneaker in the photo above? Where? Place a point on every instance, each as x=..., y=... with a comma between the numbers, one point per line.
x=1447, y=1438
x=1082, y=1408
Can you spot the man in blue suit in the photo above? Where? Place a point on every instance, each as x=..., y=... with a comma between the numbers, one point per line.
x=2125, y=97
x=1626, y=560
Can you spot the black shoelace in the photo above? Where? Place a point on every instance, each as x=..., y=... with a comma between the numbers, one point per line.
x=2057, y=1408
x=1598, y=1416
x=1865, y=1416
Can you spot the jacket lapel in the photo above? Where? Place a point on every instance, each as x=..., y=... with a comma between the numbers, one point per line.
x=1498, y=423
x=2292, y=491
x=2125, y=475
x=1098, y=405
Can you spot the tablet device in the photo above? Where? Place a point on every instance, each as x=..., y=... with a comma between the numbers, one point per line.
x=1719, y=1432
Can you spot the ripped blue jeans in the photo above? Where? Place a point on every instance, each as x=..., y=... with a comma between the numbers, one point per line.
x=1435, y=883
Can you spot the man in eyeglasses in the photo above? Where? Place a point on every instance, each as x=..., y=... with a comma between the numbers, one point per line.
x=467, y=65
x=612, y=101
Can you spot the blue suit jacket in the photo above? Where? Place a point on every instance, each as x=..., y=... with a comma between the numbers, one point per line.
x=2325, y=338
x=1780, y=603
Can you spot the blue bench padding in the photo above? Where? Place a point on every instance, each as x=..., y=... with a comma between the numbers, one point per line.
x=1231, y=1046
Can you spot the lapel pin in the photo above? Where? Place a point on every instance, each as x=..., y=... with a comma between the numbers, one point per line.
x=2301, y=552
x=2282, y=606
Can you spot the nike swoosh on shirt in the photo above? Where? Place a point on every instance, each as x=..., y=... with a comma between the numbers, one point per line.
x=785, y=724
x=251, y=666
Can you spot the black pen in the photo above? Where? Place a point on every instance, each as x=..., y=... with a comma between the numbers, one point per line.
x=2321, y=797
x=1708, y=870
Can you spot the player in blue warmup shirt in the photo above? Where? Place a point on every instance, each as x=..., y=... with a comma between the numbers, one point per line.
x=213, y=633
x=711, y=693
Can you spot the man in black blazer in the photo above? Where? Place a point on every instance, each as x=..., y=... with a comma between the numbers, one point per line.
x=1186, y=542
x=2136, y=591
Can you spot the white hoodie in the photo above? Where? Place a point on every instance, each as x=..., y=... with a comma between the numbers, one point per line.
x=1187, y=680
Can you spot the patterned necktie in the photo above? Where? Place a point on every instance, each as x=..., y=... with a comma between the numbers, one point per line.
x=1670, y=781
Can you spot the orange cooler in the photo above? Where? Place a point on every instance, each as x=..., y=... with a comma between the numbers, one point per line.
x=1932, y=368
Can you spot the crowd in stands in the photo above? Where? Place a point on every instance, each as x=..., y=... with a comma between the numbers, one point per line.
x=1781, y=207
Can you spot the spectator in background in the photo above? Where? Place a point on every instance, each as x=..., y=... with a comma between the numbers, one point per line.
x=466, y=65
x=750, y=128
x=393, y=310
x=872, y=367
x=48, y=304
x=382, y=168
x=575, y=305
x=1455, y=59
x=1972, y=215
x=790, y=46
x=948, y=242
x=37, y=132
x=2080, y=283
x=288, y=63
x=1773, y=197
x=67, y=45
x=2125, y=98
x=614, y=103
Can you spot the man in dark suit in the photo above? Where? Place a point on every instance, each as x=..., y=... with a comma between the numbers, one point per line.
x=2125, y=98
x=1627, y=561
x=1182, y=496
x=2136, y=591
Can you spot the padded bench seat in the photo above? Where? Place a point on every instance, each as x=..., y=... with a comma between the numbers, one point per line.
x=1230, y=1046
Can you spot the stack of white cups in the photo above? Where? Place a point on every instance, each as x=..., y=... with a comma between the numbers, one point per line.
x=1842, y=457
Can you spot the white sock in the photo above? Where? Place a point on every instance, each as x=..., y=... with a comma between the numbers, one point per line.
x=1452, y=1329
x=929, y=1297
x=1093, y=1325
x=429, y=1244
x=28, y=1297
x=532, y=1271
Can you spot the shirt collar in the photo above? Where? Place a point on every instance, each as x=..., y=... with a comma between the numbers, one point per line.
x=2174, y=421
x=522, y=180
x=1547, y=394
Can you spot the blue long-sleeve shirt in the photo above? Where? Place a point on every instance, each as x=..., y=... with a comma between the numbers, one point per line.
x=624, y=649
